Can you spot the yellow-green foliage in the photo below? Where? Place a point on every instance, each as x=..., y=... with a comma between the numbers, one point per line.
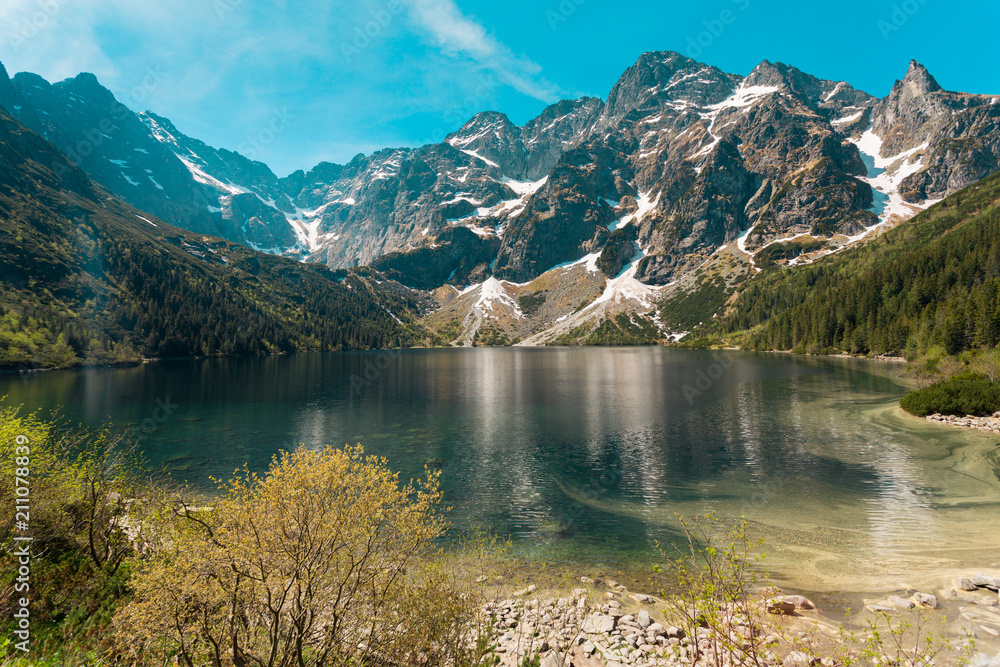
x=83, y=491
x=52, y=482
x=326, y=559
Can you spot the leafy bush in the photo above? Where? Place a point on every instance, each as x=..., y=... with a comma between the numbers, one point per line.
x=717, y=589
x=82, y=487
x=969, y=394
x=327, y=559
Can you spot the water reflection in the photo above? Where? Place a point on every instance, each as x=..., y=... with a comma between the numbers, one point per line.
x=585, y=455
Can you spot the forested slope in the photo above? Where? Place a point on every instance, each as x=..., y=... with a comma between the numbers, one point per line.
x=86, y=278
x=933, y=281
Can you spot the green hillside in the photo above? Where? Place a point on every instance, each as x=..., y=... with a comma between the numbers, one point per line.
x=931, y=282
x=85, y=278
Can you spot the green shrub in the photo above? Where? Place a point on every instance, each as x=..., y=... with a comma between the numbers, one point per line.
x=969, y=394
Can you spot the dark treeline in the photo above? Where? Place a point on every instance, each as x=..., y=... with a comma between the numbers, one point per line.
x=147, y=302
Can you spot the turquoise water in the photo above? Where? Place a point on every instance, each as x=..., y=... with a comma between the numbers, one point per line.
x=585, y=456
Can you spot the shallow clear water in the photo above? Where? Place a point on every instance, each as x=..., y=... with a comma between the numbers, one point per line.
x=584, y=456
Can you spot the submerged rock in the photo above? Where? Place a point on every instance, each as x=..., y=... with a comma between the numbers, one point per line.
x=800, y=602
x=780, y=607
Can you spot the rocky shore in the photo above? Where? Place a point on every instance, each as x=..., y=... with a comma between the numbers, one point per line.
x=990, y=424
x=591, y=628
x=604, y=625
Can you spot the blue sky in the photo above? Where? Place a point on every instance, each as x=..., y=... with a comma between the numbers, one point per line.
x=338, y=78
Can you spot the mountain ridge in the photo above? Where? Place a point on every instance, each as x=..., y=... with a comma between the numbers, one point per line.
x=681, y=165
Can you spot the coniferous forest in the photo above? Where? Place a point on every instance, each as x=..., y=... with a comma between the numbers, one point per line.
x=931, y=283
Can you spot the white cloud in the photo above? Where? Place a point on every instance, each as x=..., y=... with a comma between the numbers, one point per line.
x=223, y=66
x=46, y=37
x=458, y=35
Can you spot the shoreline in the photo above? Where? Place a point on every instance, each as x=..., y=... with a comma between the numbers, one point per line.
x=602, y=622
x=989, y=424
x=10, y=371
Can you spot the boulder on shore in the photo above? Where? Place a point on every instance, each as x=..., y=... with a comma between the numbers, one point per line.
x=986, y=581
x=964, y=584
x=901, y=603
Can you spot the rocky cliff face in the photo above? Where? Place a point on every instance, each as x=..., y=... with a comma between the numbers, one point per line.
x=955, y=133
x=569, y=216
x=144, y=160
x=682, y=160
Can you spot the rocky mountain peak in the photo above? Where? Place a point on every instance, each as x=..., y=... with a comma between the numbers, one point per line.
x=493, y=120
x=665, y=76
x=87, y=86
x=769, y=74
x=829, y=97
x=492, y=138
x=787, y=79
x=917, y=82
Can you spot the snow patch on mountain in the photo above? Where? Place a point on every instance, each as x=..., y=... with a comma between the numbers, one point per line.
x=744, y=96
x=646, y=205
x=204, y=178
x=848, y=119
x=885, y=175
x=625, y=288
x=493, y=292
x=524, y=188
x=480, y=157
x=589, y=262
